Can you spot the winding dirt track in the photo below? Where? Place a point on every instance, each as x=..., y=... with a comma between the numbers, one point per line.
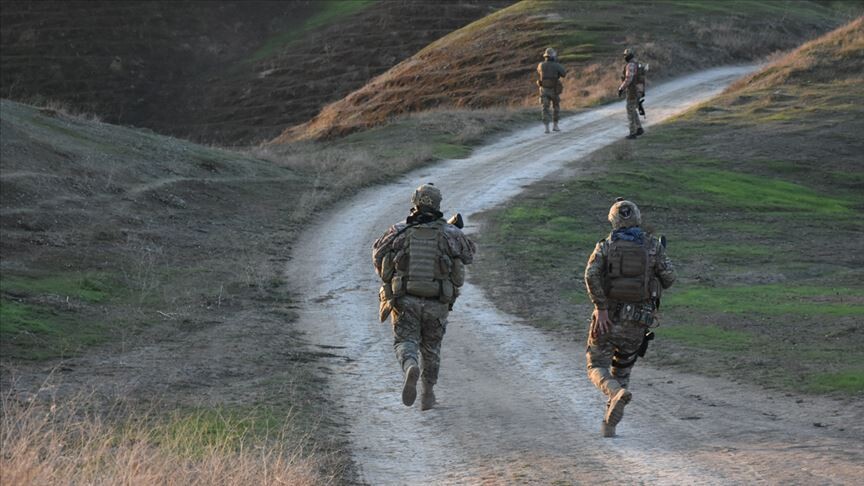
x=514, y=403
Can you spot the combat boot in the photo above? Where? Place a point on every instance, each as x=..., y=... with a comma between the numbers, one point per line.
x=546, y=124
x=555, y=127
x=639, y=131
x=615, y=410
x=632, y=136
x=427, y=397
x=409, y=387
x=607, y=430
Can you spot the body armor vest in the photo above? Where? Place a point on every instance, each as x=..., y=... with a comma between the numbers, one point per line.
x=422, y=268
x=629, y=275
x=638, y=78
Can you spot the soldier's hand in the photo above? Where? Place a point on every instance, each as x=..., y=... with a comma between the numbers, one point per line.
x=620, y=92
x=600, y=323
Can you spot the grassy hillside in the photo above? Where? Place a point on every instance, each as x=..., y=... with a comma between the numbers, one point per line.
x=759, y=192
x=491, y=62
x=135, y=259
x=226, y=72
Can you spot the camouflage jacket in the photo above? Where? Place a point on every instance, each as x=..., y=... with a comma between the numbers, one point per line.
x=458, y=245
x=595, y=271
x=629, y=77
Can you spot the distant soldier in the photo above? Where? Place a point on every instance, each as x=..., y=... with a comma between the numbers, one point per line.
x=422, y=265
x=625, y=276
x=633, y=83
x=550, y=73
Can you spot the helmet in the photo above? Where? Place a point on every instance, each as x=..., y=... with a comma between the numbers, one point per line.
x=427, y=196
x=624, y=214
x=629, y=53
x=550, y=53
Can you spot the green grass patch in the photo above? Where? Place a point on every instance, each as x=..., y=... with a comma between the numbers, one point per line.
x=196, y=431
x=37, y=332
x=707, y=336
x=330, y=12
x=772, y=299
x=446, y=150
x=850, y=381
x=86, y=287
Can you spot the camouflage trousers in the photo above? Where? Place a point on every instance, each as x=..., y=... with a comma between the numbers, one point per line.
x=610, y=356
x=418, y=327
x=633, y=114
x=549, y=97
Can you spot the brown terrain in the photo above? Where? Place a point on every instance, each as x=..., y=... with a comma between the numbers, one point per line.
x=223, y=72
x=150, y=271
x=491, y=62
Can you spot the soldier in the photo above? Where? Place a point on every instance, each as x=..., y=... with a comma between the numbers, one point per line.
x=633, y=82
x=550, y=73
x=422, y=264
x=625, y=276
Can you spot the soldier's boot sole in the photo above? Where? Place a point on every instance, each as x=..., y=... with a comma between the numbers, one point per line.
x=409, y=388
x=632, y=136
x=607, y=430
x=615, y=412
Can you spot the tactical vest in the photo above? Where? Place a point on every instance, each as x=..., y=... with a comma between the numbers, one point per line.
x=549, y=76
x=638, y=79
x=422, y=268
x=629, y=271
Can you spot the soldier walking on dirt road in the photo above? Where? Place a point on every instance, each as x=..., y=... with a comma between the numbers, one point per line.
x=549, y=73
x=624, y=277
x=633, y=83
x=422, y=265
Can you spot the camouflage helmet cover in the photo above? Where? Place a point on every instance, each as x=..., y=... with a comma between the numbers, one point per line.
x=629, y=53
x=427, y=196
x=550, y=53
x=624, y=214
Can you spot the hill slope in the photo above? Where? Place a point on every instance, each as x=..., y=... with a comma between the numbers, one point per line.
x=225, y=72
x=759, y=193
x=491, y=62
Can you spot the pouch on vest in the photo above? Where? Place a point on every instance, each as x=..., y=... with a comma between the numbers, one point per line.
x=423, y=263
x=627, y=271
x=387, y=267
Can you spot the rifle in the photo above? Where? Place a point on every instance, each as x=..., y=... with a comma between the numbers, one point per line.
x=642, y=108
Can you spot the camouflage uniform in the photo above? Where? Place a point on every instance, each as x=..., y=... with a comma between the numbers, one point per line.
x=419, y=323
x=550, y=73
x=634, y=91
x=610, y=356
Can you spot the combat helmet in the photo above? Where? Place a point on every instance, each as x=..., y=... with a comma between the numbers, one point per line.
x=624, y=214
x=427, y=196
x=550, y=53
x=629, y=53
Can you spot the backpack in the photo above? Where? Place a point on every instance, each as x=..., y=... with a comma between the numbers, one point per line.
x=423, y=270
x=628, y=271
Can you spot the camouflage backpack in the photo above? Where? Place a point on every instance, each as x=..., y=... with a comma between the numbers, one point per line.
x=629, y=266
x=422, y=269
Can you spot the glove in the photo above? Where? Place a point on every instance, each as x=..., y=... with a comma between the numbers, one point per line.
x=620, y=92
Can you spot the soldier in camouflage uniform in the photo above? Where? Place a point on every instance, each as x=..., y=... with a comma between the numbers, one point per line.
x=550, y=73
x=633, y=83
x=625, y=276
x=422, y=265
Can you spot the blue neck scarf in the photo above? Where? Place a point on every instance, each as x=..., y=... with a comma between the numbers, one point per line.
x=633, y=233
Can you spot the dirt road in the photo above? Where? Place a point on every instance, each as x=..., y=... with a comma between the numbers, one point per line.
x=514, y=403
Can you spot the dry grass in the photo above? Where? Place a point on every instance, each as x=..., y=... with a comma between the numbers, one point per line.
x=66, y=443
x=491, y=61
